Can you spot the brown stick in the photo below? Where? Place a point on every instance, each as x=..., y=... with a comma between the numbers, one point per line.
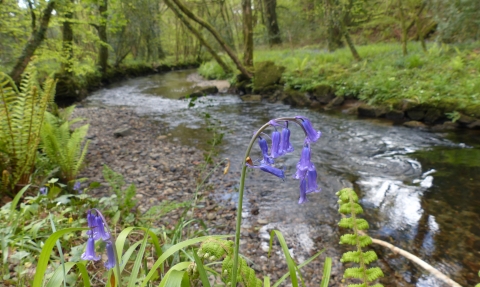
x=418, y=261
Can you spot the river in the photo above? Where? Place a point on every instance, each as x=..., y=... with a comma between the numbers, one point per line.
x=420, y=190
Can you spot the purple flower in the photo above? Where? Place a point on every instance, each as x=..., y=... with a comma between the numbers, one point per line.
x=312, y=134
x=43, y=190
x=77, y=187
x=303, y=192
x=91, y=223
x=270, y=169
x=276, y=151
x=285, y=145
x=312, y=185
x=90, y=251
x=111, y=256
x=264, y=148
x=304, y=163
x=100, y=231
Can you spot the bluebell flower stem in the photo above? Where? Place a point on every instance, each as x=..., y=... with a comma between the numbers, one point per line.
x=241, y=190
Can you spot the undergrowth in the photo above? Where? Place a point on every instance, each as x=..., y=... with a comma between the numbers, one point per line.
x=445, y=76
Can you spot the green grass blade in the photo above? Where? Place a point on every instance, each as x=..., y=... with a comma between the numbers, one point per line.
x=266, y=281
x=172, y=250
x=127, y=254
x=121, y=238
x=177, y=279
x=83, y=271
x=176, y=268
x=137, y=264
x=201, y=270
x=58, y=275
x=46, y=251
x=327, y=268
x=285, y=276
x=15, y=201
x=292, y=268
x=59, y=247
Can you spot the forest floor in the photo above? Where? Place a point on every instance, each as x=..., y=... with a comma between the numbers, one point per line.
x=163, y=170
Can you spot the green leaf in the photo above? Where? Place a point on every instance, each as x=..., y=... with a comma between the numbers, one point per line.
x=177, y=279
x=57, y=278
x=292, y=267
x=138, y=262
x=172, y=276
x=45, y=254
x=201, y=270
x=16, y=199
x=172, y=250
x=285, y=276
x=327, y=268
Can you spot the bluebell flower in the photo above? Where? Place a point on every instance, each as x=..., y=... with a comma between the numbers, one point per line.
x=312, y=134
x=276, y=151
x=91, y=223
x=43, y=190
x=100, y=229
x=264, y=148
x=90, y=251
x=312, y=185
x=111, y=256
x=303, y=192
x=285, y=145
x=304, y=163
x=270, y=169
x=77, y=187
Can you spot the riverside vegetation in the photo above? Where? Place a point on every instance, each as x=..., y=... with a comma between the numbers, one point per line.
x=49, y=208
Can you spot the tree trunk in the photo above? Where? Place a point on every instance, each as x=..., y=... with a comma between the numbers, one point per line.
x=403, y=22
x=247, y=33
x=67, y=42
x=334, y=32
x=36, y=39
x=217, y=36
x=271, y=22
x=350, y=44
x=198, y=35
x=102, y=34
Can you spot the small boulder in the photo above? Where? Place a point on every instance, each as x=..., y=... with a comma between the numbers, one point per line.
x=267, y=77
x=395, y=115
x=432, y=115
x=446, y=126
x=296, y=98
x=122, y=132
x=251, y=98
x=337, y=101
x=415, y=124
x=210, y=90
x=474, y=125
x=416, y=114
x=365, y=110
x=465, y=120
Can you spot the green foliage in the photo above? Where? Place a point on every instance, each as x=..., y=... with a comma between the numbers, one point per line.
x=212, y=70
x=348, y=201
x=123, y=200
x=62, y=146
x=21, y=117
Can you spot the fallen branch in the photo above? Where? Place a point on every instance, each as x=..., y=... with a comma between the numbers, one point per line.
x=418, y=261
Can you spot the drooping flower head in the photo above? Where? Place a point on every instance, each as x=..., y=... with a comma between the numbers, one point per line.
x=270, y=169
x=111, y=256
x=90, y=251
x=304, y=163
x=100, y=233
x=264, y=148
x=43, y=190
x=303, y=192
x=276, y=150
x=285, y=144
x=312, y=134
x=77, y=187
x=312, y=185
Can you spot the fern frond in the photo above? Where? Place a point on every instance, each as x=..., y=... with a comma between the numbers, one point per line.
x=348, y=201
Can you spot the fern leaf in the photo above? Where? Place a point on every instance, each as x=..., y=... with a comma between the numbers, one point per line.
x=354, y=272
x=374, y=273
x=350, y=239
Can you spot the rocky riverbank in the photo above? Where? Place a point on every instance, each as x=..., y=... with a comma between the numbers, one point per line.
x=140, y=150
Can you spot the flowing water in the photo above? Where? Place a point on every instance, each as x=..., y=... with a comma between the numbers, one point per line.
x=420, y=190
